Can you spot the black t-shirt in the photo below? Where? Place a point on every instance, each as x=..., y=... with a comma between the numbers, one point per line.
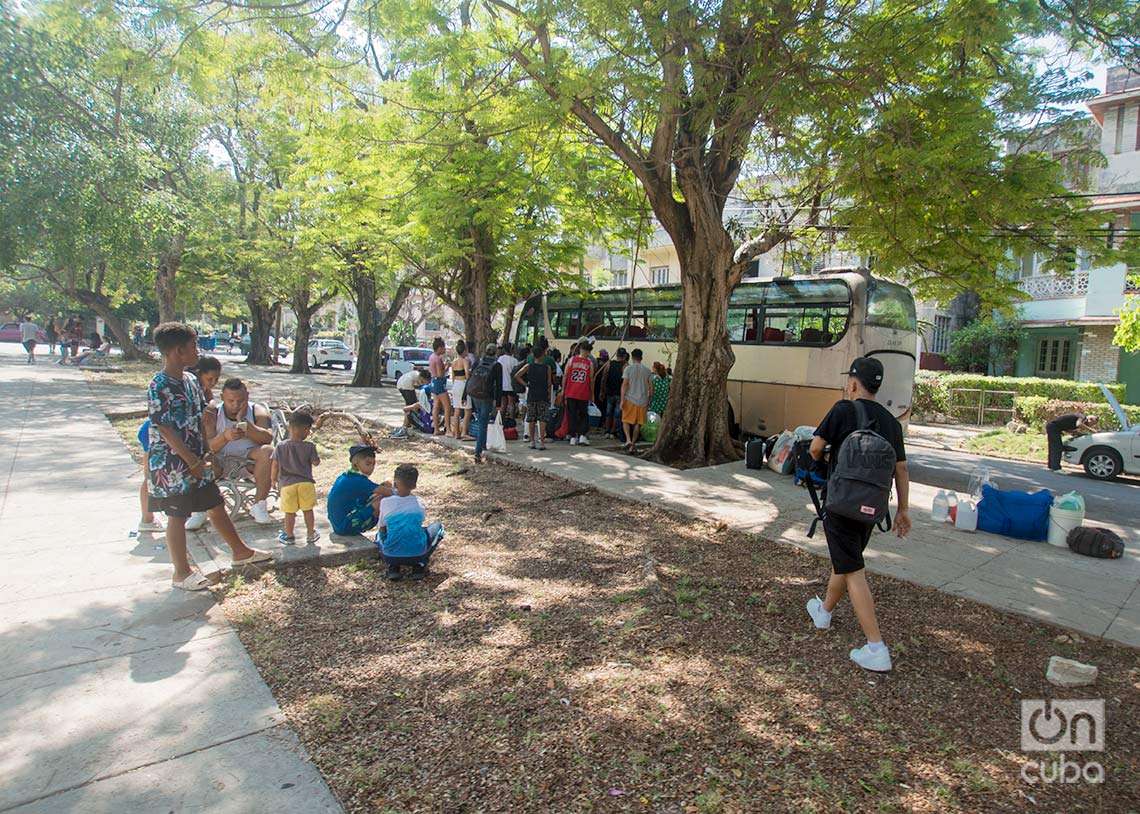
x=613, y=378
x=1067, y=422
x=840, y=422
x=538, y=377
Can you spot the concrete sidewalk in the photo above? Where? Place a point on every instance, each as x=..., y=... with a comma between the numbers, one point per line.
x=117, y=693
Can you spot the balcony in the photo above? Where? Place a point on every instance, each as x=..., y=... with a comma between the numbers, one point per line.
x=1056, y=287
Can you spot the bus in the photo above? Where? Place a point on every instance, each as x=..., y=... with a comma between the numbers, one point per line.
x=793, y=338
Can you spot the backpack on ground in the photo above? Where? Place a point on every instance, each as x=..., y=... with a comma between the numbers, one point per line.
x=754, y=453
x=479, y=382
x=1104, y=544
x=859, y=488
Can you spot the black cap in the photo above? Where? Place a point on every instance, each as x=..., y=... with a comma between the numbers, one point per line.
x=356, y=449
x=869, y=371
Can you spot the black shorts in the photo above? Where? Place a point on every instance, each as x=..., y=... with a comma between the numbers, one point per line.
x=202, y=499
x=29, y=345
x=846, y=540
x=409, y=397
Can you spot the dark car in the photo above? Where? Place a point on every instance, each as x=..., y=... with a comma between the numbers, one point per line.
x=10, y=332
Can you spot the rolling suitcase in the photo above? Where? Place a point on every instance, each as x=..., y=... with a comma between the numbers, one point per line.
x=754, y=453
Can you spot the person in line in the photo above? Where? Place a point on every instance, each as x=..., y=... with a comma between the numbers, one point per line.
x=507, y=363
x=1072, y=423
x=661, y=381
x=29, y=333
x=635, y=391
x=402, y=537
x=181, y=480
x=577, y=385
x=846, y=539
x=407, y=384
x=537, y=375
x=293, y=462
x=241, y=433
x=353, y=503
x=611, y=375
x=208, y=370
x=460, y=404
x=441, y=403
x=485, y=389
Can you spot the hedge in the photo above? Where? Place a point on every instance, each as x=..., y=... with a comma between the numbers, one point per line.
x=931, y=395
x=1036, y=410
x=1062, y=389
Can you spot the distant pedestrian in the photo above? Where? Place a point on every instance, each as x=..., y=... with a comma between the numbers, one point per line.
x=1073, y=423
x=610, y=377
x=635, y=392
x=538, y=377
x=577, y=386
x=29, y=333
x=661, y=383
x=441, y=402
x=51, y=330
x=508, y=363
x=484, y=389
x=460, y=404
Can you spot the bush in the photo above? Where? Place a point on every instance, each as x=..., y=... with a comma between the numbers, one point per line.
x=983, y=342
x=1036, y=410
x=931, y=395
x=1064, y=389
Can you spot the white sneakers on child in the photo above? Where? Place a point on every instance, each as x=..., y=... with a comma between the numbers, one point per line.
x=583, y=440
x=819, y=615
x=196, y=521
x=260, y=513
x=872, y=656
x=573, y=441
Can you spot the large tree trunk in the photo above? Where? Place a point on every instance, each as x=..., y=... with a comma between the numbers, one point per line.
x=508, y=324
x=695, y=428
x=261, y=314
x=475, y=297
x=102, y=306
x=165, y=290
x=304, y=311
x=374, y=327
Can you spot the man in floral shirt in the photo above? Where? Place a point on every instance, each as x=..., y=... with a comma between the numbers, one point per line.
x=181, y=481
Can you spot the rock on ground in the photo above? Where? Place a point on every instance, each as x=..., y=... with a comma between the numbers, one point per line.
x=1064, y=672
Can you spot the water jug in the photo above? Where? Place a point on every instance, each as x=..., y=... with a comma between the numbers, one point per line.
x=940, y=510
x=967, y=519
x=952, y=506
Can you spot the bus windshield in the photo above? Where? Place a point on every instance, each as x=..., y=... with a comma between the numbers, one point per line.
x=890, y=305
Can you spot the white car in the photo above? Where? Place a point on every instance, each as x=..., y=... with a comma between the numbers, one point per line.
x=329, y=352
x=401, y=360
x=1105, y=455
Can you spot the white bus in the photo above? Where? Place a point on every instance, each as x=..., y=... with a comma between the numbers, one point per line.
x=793, y=338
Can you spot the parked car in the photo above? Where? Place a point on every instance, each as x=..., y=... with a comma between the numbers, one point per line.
x=1106, y=455
x=329, y=352
x=10, y=332
x=284, y=350
x=401, y=360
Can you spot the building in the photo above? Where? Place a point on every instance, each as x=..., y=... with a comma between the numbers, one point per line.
x=1070, y=318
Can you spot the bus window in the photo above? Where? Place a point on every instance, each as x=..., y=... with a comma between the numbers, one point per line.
x=565, y=324
x=638, y=325
x=805, y=292
x=781, y=325
x=890, y=305
x=530, y=322
x=736, y=318
x=661, y=324
x=602, y=322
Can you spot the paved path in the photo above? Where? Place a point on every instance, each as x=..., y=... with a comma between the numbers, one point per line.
x=117, y=694
x=1097, y=597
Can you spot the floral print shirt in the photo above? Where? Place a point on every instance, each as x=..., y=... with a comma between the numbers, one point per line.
x=660, y=395
x=178, y=405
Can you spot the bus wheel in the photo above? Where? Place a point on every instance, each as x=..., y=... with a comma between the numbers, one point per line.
x=733, y=426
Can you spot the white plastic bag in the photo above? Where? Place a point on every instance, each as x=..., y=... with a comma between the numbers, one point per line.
x=496, y=439
x=780, y=459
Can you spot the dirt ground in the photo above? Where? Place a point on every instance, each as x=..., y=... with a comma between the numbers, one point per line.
x=571, y=652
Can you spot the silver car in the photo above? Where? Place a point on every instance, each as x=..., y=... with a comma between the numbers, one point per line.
x=1105, y=455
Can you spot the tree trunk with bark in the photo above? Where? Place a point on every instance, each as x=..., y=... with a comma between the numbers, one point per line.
x=262, y=314
x=474, y=299
x=165, y=289
x=102, y=306
x=374, y=327
x=303, y=310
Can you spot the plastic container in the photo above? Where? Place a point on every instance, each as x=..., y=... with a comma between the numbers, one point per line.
x=940, y=509
x=967, y=516
x=1061, y=522
x=952, y=506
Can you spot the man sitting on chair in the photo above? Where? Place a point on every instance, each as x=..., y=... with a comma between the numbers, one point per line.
x=240, y=433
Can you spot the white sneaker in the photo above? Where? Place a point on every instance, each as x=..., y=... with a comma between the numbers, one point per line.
x=877, y=660
x=260, y=513
x=573, y=442
x=583, y=440
x=153, y=525
x=819, y=615
x=196, y=521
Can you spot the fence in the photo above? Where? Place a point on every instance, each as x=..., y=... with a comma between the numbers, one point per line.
x=981, y=406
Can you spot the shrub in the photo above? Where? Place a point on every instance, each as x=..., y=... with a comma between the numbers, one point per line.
x=1036, y=410
x=1064, y=389
x=983, y=342
x=931, y=395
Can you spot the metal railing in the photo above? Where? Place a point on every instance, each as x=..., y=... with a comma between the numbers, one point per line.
x=982, y=407
x=1056, y=286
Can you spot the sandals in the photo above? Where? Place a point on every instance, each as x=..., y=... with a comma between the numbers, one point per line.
x=194, y=582
x=253, y=559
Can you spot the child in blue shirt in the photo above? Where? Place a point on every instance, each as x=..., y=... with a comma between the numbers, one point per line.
x=353, y=502
x=402, y=538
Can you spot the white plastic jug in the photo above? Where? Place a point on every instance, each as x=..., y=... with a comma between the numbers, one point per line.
x=940, y=509
x=952, y=506
x=967, y=519
x=1061, y=522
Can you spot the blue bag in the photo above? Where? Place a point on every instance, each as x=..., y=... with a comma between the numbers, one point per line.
x=1015, y=514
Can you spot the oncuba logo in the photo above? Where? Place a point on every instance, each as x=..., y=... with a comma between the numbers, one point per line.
x=1062, y=726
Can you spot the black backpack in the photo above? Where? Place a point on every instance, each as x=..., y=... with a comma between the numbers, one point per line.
x=1091, y=541
x=859, y=488
x=479, y=382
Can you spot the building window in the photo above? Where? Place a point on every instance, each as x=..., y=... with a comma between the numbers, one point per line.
x=940, y=338
x=1053, y=356
x=752, y=270
x=659, y=275
x=619, y=279
x=1118, y=141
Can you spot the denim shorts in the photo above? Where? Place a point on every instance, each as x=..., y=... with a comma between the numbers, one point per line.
x=613, y=406
x=439, y=386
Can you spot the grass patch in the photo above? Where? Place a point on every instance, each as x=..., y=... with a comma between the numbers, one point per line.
x=137, y=373
x=1026, y=446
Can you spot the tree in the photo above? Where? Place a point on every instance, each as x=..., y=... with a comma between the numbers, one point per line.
x=985, y=346
x=402, y=333
x=846, y=117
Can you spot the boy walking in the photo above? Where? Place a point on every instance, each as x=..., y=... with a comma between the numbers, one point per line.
x=846, y=539
x=538, y=377
x=402, y=538
x=181, y=481
x=29, y=331
x=293, y=463
x=635, y=392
